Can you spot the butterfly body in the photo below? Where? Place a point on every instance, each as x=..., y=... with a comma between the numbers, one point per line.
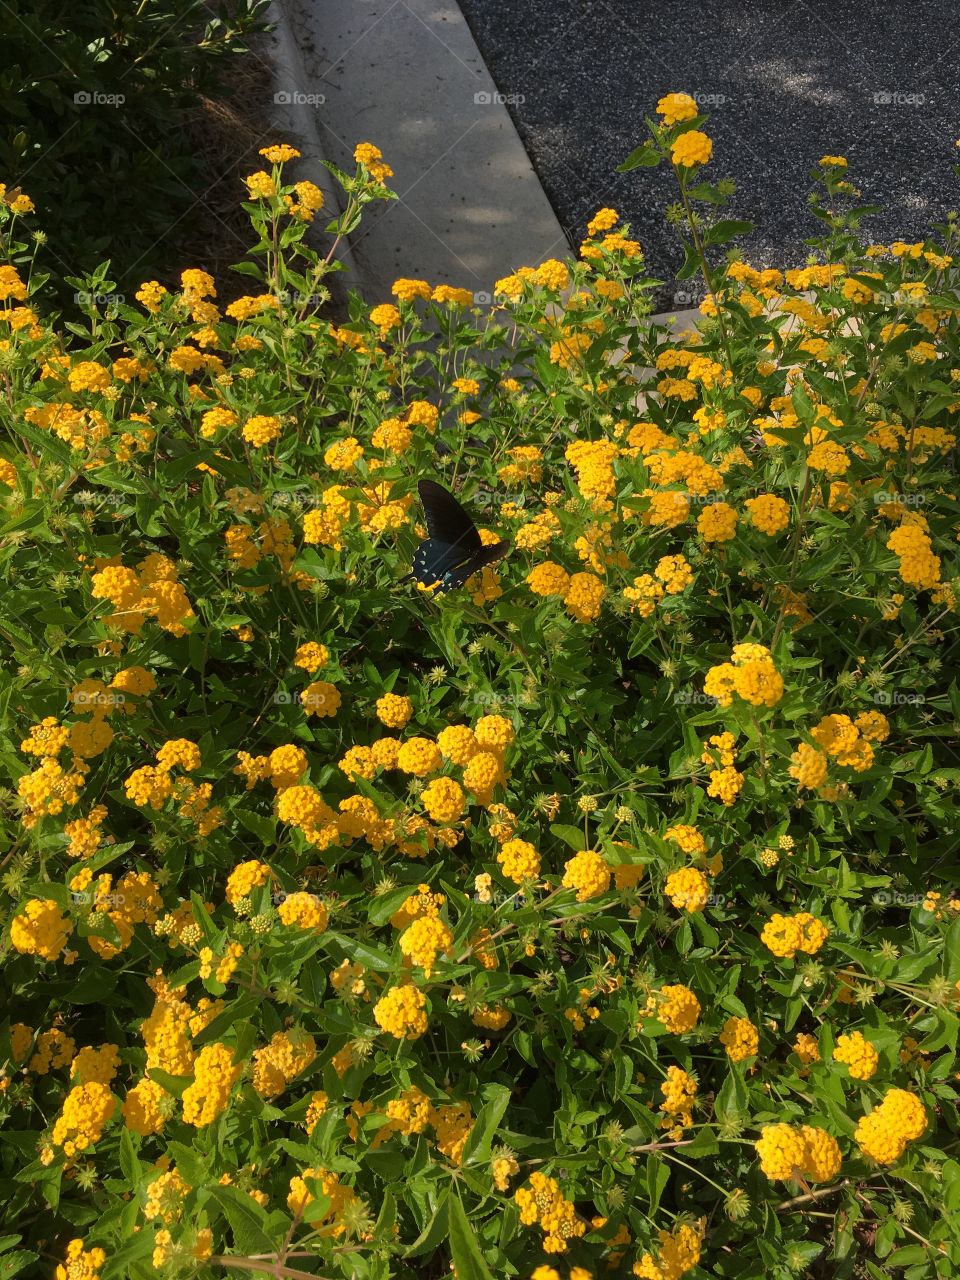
x=454, y=551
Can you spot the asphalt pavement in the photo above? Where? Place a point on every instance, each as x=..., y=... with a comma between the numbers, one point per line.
x=783, y=83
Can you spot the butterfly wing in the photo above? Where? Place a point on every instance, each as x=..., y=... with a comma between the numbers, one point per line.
x=434, y=561
x=447, y=522
x=454, y=550
x=459, y=574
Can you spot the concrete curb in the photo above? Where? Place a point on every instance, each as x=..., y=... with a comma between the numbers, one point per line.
x=407, y=76
x=295, y=119
x=331, y=92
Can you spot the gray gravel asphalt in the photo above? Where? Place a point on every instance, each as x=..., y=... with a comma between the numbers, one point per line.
x=783, y=83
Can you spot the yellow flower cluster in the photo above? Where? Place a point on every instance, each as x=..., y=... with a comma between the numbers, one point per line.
x=841, y=739
x=675, y=574
x=48, y=788
x=147, y=1107
x=675, y=1006
x=787, y=1153
x=526, y=466
x=261, y=429
x=452, y=1125
x=53, y=1049
x=589, y=873
x=371, y=157
x=858, y=1054
x=401, y=1012
x=581, y=593
x=247, y=545
x=750, y=674
x=688, y=889
x=305, y=911
x=677, y=107
x=282, y=1060
x=244, y=878
x=519, y=861
x=443, y=800
x=394, y=711
x=726, y=782
x=214, y=1077
x=679, y=1253
x=768, y=513
x=419, y=757
x=691, y=148
x=592, y=461
x=884, y=1133
x=311, y=657
x=149, y=591
x=503, y=1168
x=87, y=1110
x=806, y=1048
x=40, y=930
x=717, y=522
x=303, y=807
x=481, y=752
x=95, y=1065
x=339, y=1196
x=165, y=1196
x=919, y=567
x=374, y=508
x=688, y=838
x=679, y=1095
x=80, y=1264
x=543, y=1202
x=167, y=1036
x=786, y=935
x=284, y=767
x=808, y=766
x=740, y=1038
x=424, y=939
x=644, y=595
x=411, y=1113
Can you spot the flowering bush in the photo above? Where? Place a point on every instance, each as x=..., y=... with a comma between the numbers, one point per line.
x=592, y=919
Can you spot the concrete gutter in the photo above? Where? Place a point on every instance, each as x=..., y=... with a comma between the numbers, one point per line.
x=407, y=76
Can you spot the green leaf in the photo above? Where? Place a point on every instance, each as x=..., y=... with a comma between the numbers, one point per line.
x=464, y=1245
x=129, y=1160
x=706, y=192
x=237, y=1011
x=173, y=1084
x=192, y=1164
x=265, y=829
x=385, y=905
x=704, y=1144
x=477, y=1148
x=691, y=263
x=434, y=1232
x=732, y=1098
x=247, y=1220
x=727, y=229
x=658, y=1175
x=644, y=157
x=571, y=836
x=373, y=957
x=907, y=1255
x=12, y=1264
x=387, y=1215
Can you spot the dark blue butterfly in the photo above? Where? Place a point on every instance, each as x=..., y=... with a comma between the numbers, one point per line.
x=454, y=550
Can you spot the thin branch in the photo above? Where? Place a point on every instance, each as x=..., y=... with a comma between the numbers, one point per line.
x=813, y=1195
x=265, y=1268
